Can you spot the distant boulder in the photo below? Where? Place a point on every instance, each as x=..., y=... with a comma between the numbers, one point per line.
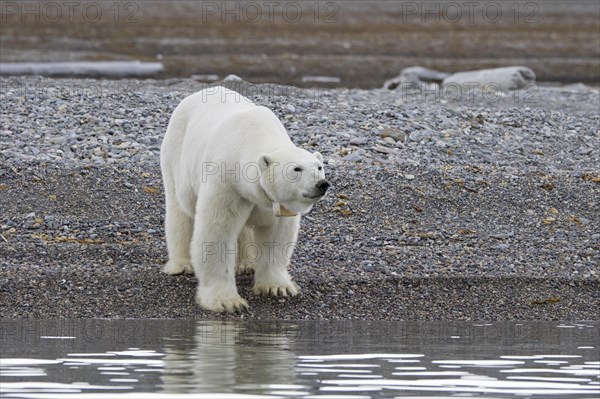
x=507, y=78
x=415, y=77
x=232, y=78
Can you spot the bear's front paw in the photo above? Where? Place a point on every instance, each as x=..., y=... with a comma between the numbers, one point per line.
x=244, y=267
x=221, y=302
x=277, y=289
x=178, y=267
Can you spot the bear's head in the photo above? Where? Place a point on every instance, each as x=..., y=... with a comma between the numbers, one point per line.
x=293, y=177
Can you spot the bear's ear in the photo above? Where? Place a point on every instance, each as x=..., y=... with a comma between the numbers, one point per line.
x=264, y=161
x=318, y=155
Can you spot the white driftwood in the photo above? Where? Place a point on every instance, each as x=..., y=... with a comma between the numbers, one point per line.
x=82, y=68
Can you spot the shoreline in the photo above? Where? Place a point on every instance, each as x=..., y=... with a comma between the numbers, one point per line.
x=362, y=44
x=470, y=211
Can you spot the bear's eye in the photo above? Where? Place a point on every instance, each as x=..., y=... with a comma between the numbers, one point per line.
x=320, y=168
x=297, y=169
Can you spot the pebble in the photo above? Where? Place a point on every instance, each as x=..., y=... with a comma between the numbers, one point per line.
x=57, y=140
x=353, y=157
x=396, y=135
x=383, y=150
x=420, y=135
x=503, y=236
x=390, y=141
x=367, y=265
x=359, y=141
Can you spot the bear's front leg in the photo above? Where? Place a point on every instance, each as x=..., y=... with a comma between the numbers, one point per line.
x=277, y=244
x=217, y=226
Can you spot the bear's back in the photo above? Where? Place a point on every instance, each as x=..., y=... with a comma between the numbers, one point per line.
x=217, y=99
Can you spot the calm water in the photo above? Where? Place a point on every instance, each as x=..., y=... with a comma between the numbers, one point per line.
x=189, y=358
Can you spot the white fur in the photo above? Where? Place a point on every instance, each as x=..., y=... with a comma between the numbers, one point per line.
x=224, y=162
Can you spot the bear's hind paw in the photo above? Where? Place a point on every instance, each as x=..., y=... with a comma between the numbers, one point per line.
x=178, y=267
x=244, y=268
x=290, y=289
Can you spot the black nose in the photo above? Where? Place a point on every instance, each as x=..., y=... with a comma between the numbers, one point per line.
x=323, y=185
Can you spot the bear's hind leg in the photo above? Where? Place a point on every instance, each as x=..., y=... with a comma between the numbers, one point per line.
x=178, y=231
x=247, y=252
x=277, y=242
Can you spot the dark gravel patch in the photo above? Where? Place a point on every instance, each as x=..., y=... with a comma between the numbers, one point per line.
x=421, y=250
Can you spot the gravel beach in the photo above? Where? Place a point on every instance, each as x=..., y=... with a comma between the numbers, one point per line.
x=464, y=208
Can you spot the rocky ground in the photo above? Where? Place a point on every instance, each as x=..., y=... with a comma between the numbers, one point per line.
x=470, y=207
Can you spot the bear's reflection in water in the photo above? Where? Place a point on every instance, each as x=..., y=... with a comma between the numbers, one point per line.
x=226, y=357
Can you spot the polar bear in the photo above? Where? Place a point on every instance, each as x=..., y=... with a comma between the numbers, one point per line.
x=235, y=186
